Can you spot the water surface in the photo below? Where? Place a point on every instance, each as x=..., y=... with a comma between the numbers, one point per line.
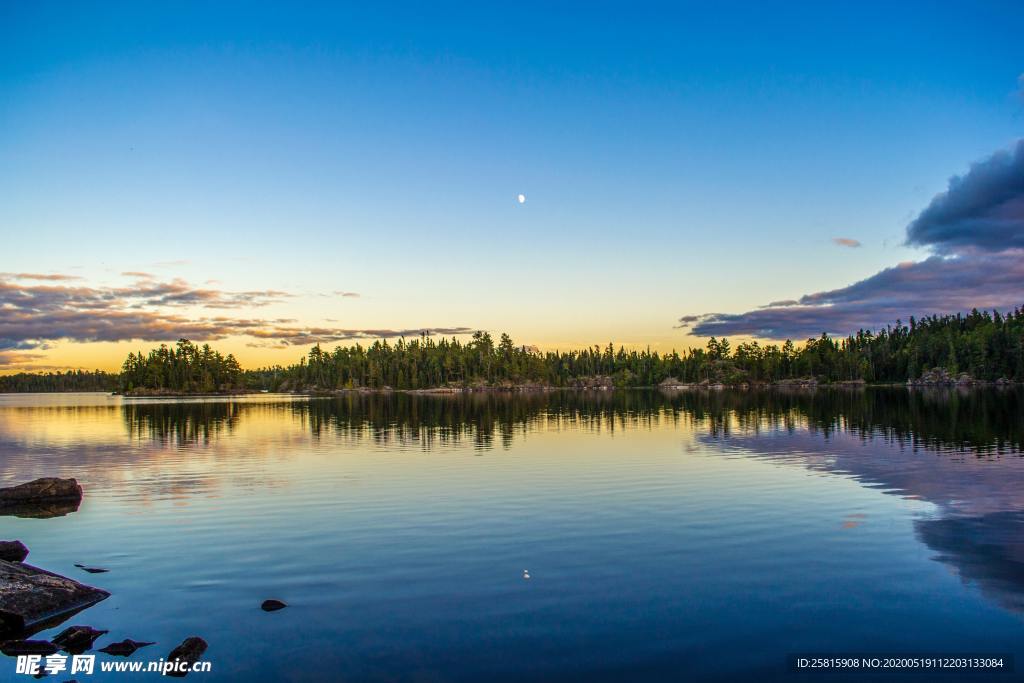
x=668, y=537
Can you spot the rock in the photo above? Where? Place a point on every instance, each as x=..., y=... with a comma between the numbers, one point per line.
x=186, y=654
x=124, y=648
x=77, y=639
x=13, y=551
x=942, y=377
x=92, y=570
x=47, y=497
x=13, y=648
x=32, y=598
x=47, y=488
x=272, y=605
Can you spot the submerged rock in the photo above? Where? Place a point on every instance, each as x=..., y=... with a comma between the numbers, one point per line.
x=46, y=497
x=92, y=570
x=186, y=654
x=13, y=648
x=31, y=598
x=125, y=648
x=77, y=639
x=272, y=605
x=13, y=551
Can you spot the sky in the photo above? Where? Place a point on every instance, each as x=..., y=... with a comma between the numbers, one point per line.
x=266, y=177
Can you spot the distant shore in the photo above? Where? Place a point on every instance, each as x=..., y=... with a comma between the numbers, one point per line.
x=933, y=378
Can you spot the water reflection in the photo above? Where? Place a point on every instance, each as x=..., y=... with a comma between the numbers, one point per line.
x=658, y=527
x=978, y=421
x=957, y=449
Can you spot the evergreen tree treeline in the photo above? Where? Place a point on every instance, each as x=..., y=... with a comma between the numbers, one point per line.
x=71, y=380
x=988, y=346
x=186, y=368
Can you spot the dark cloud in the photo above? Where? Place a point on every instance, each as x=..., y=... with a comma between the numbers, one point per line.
x=983, y=209
x=976, y=233
x=33, y=315
x=935, y=285
x=846, y=242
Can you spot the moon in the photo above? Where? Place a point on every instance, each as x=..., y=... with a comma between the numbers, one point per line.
x=521, y=198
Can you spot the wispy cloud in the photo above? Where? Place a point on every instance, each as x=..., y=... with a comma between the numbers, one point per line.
x=975, y=230
x=32, y=315
x=20, y=360
x=50, y=277
x=347, y=295
x=846, y=242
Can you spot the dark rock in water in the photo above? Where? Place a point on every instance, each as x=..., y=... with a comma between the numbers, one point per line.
x=47, y=488
x=13, y=648
x=124, y=648
x=77, y=639
x=47, y=497
x=186, y=654
x=13, y=551
x=33, y=598
x=92, y=570
x=272, y=605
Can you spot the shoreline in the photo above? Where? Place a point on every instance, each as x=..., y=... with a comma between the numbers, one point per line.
x=539, y=389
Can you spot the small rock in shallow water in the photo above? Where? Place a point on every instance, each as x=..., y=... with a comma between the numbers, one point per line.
x=188, y=653
x=124, y=648
x=13, y=551
x=77, y=639
x=48, y=497
x=272, y=605
x=13, y=648
x=47, y=488
x=92, y=570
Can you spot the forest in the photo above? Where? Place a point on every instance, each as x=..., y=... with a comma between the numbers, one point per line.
x=185, y=368
x=71, y=380
x=986, y=345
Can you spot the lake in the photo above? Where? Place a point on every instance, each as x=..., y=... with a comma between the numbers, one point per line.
x=698, y=535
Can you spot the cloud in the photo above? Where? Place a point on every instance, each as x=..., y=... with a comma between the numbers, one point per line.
x=138, y=274
x=10, y=360
x=983, y=209
x=33, y=315
x=52, y=277
x=347, y=295
x=142, y=294
x=846, y=242
x=975, y=231
x=935, y=285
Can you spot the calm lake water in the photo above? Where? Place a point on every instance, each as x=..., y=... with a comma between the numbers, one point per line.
x=692, y=536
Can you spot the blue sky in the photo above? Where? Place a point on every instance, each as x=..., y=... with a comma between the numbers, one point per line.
x=677, y=159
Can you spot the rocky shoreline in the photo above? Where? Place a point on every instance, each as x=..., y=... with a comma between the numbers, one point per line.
x=34, y=599
x=606, y=384
x=936, y=377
